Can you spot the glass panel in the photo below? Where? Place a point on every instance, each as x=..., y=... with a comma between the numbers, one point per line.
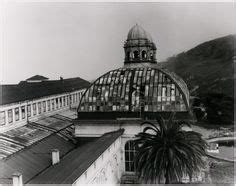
x=23, y=112
x=49, y=105
x=34, y=108
x=44, y=106
x=28, y=110
x=53, y=104
x=2, y=118
x=17, y=114
x=10, y=116
x=39, y=108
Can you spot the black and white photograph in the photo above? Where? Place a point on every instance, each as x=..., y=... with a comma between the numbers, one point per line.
x=117, y=92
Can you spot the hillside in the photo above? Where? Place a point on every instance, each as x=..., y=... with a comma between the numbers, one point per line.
x=208, y=67
x=208, y=71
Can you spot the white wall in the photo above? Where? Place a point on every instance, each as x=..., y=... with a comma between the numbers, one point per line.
x=5, y=125
x=82, y=130
x=104, y=170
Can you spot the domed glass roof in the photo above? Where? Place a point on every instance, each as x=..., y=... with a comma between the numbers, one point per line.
x=132, y=88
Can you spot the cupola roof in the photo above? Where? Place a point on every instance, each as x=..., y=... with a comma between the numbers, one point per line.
x=137, y=32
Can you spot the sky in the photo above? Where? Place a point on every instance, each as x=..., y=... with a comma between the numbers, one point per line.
x=86, y=39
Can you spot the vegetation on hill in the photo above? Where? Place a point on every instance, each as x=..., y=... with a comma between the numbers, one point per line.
x=208, y=71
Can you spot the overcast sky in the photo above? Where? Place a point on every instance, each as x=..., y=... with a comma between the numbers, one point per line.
x=86, y=39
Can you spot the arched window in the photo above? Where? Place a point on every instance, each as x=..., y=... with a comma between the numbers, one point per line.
x=144, y=54
x=128, y=55
x=130, y=152
x=136, y=54
x=151, y=56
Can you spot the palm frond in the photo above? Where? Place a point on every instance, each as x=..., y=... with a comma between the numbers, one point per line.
x=169, y=153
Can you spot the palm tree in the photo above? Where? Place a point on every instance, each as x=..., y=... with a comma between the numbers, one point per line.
x=167, y=153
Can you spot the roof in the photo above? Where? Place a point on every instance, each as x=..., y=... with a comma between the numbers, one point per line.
x=20, y=138
x=28, y=91
x=137, y=32
x=76, y=162
x=30, y=146
x=31, y=161
x=134, y=87
x=37, y=77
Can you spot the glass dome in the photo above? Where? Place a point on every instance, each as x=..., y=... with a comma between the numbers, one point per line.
x=135, y=89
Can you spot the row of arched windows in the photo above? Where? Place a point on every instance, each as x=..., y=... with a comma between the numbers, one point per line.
x=136, y=55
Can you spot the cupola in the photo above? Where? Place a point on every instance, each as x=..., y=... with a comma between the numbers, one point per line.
x=139, y=47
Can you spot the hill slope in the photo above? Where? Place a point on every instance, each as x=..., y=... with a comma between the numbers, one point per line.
x=207, y=68
x=208, y=71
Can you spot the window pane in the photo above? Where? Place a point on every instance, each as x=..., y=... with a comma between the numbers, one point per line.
x=17, y=114
x=10, y=117
x=34, y=108
x=39, y=108
x=53, y=104
x=23, y=112
x=28, y=110
x=2, y=118
x=49, y=104
x=44, y=106
x=129, y=156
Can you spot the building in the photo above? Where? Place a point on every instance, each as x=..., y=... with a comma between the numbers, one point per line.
x=109, y=114
x=123, y=98
x=37, y=97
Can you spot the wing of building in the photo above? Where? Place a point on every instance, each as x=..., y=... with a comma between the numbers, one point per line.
x=56, y=144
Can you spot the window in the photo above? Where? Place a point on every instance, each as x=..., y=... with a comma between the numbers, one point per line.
x=67, y=100
x=44, y=106
x=23, y=112
x=28, y=110
x=34, y=109
x=53, y=104
x=10, y=117
x=49, y=106
x=39, y=107
x=64, y=101
x=130, y=152
x=70, y=99
x=144, y=54
x=136, y=54
x=17, y=114
x=151, y=55
x=2, y=118
x=56, y=103
x=60, y=102
x=128, y=55
x=75, y=97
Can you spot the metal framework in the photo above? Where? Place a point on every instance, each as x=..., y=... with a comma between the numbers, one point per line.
x=144, y=89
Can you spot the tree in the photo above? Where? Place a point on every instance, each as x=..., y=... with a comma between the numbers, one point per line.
x=168, y=153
